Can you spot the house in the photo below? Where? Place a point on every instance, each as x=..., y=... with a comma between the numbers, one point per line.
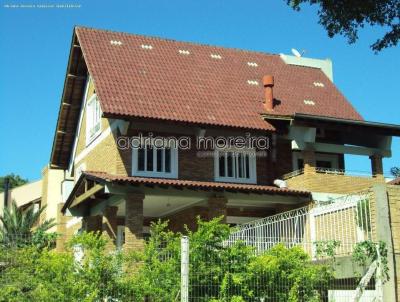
x=122, y=89
x=29, y=194
x=395, y=181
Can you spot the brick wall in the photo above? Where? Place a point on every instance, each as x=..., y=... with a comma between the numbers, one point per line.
x=394, y=208
x=186, y=217
x=284, y=161
x=190, y=165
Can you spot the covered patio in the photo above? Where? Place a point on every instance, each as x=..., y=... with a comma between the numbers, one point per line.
x=123, y=207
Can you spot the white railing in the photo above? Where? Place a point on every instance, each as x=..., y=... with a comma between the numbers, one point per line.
x=329, y=171
x=346, y=220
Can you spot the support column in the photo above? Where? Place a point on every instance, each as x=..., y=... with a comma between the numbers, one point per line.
x=377, y=166
x=309, y=161
x=134, y=222
x=384, y=233
x=217, y=207
x=109, y=226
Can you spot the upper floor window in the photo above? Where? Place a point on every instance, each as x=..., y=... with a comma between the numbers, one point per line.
x=153, y=161
x=235, y=166
x=93, y=119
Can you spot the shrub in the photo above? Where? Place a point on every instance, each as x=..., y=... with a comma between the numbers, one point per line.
x=219, y=272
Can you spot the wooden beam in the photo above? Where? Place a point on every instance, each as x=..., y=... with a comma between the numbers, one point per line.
x=86, y=195
x=64, y=132
x=74, y=76
x=69, y=105
x=340, y=149
x=111, y=201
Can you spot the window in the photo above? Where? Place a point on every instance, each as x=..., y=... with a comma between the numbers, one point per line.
x=152, y=161
x=93, y=119
x=235, y=166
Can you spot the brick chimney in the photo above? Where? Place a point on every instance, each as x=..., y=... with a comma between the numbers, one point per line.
x=268, y=82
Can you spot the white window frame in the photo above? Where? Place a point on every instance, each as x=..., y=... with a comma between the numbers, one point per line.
x=174, y=163
x=332, y=158
x=252, y=166
x=93, y=119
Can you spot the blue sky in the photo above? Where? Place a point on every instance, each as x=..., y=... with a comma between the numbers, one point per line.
x=35, y=45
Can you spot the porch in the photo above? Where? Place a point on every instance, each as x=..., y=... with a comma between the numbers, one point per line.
x=123, y=208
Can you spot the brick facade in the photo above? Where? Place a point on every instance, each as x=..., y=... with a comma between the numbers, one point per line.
x=134, y=222
x=331, y=183
x=107, y=157
x=188, y=217
x=217, y=207
x=109, y=226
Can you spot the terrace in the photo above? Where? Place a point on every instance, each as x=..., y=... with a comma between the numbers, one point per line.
x=328, y=180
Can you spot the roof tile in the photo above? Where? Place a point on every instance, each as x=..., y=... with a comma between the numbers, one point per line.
x=194, y=184
x=155, y=81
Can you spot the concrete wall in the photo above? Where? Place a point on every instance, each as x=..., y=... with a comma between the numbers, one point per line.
x=23, y=195
x=51, y=192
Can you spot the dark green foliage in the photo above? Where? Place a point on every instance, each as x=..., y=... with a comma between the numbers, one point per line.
x=32, y=274
x=289, y=275
x=14, y=181
x=395, y=171
x=346, y=17
x=218, y=272
x=326, y=248
x=366, y=252
x=18, y=226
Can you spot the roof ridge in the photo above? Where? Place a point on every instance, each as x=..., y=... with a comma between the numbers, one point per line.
x=158, y=38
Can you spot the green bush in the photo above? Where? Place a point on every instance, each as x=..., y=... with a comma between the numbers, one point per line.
x=218, y=271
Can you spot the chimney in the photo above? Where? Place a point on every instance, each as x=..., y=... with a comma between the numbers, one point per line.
x=268, y=82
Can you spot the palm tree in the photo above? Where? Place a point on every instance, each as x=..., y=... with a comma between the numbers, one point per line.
x=18, y=226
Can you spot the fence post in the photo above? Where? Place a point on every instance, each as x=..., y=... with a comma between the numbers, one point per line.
x=184, y=269
x=384, y=233
x=313, y=234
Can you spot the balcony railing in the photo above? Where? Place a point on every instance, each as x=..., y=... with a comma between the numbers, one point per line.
x=330, y=171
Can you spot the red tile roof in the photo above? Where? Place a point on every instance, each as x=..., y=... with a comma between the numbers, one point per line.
x=206, y=185
x=395, y=181
x=210, y=85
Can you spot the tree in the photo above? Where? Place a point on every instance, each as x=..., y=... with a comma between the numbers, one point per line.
x=19, y=225
x=14, y=181
x=346, y=17
x=395, y=171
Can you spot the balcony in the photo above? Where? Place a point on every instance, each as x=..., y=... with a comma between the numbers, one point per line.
x=326, y=180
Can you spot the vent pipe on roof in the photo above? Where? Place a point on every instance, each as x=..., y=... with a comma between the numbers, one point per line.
x=268, y=82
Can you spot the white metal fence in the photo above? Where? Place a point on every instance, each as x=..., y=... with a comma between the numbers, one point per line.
x=345, y=220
